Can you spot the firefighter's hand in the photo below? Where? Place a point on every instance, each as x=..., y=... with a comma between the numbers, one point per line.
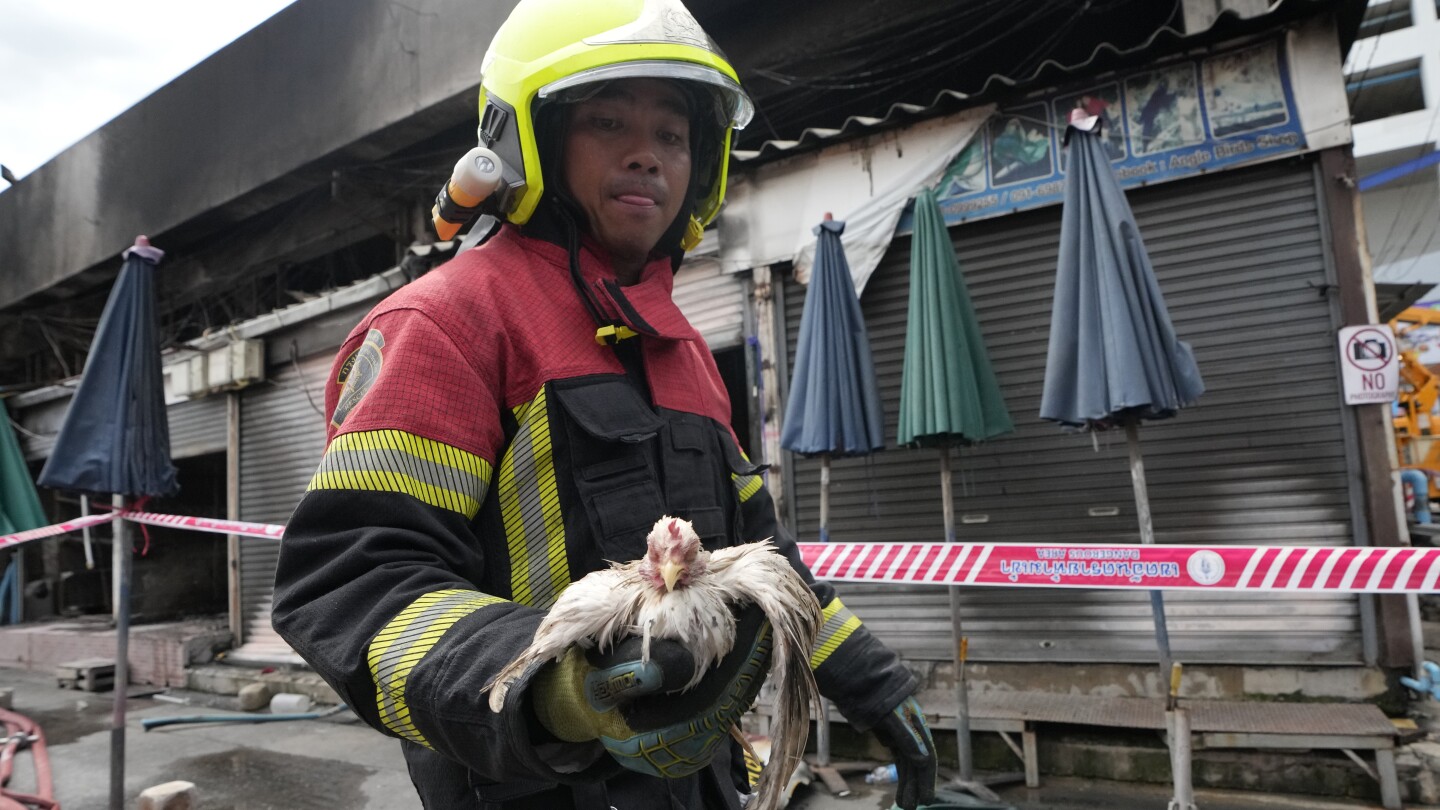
x=635, y=708
x=907, y=736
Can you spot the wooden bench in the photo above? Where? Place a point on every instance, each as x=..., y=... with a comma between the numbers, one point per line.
x=986, y=716
x=1347, y=727
x=981, y=719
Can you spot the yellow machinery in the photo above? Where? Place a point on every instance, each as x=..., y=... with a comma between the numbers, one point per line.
x=1417, y=427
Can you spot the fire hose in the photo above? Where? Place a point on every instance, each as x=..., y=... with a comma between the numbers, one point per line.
x=22, y=732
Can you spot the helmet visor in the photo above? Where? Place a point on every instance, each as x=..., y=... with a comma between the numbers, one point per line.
x=734, y=108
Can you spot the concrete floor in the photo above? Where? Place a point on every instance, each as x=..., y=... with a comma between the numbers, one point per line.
x=333, y=763
x=340, y=763
x=1062, y=793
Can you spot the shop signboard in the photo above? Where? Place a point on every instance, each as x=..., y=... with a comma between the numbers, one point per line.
x=1159, y=124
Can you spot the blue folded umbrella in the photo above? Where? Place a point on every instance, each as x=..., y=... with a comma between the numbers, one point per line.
x=115, y=437
x=834, y=404
x=1113, y=351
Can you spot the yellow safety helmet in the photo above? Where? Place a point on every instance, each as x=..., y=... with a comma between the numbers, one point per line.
x=548, y=47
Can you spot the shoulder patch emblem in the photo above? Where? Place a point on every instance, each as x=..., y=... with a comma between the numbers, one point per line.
x=357, y=374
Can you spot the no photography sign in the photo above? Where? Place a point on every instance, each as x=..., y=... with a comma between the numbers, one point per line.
x=1368, y=364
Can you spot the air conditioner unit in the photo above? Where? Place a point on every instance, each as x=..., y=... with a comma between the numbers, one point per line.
x=235, y=365
x=188, y=377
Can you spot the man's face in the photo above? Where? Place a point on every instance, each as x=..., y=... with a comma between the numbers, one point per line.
x=627, y=164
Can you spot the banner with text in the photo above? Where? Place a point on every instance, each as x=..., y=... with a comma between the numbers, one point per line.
x=1216, y=568
x=1160, y=124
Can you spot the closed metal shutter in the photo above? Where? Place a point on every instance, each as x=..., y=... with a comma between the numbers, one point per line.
x=282, y=436
x=1261, y=459
x=714, y=302
x=197, y=427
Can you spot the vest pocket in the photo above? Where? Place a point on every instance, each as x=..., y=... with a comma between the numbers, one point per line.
x=610, y=432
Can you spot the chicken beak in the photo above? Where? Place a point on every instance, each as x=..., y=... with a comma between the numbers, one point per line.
x=670, y=571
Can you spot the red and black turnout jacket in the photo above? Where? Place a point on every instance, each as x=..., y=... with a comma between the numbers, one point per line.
x=484, y=452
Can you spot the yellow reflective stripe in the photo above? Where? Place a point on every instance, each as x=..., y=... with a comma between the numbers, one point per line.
x=530, y=510
x=417, y=446
x=396, y=461
x=402, y=643
x=753, y=767
x=839, y=624
x=747, y=484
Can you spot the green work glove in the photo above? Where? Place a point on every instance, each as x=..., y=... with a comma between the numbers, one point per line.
x=635, y=708
x=907, y=736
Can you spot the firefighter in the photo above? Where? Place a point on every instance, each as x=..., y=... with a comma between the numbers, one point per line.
x=521, y=415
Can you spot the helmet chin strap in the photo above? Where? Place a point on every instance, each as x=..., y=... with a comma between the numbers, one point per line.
x=608, y=332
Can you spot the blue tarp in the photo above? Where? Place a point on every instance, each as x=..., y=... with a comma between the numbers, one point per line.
x=115, y=437
x=1113, y=352
x=834, y=404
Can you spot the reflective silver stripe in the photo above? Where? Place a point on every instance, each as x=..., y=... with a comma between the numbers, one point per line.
x=405, y=641
x=530, y=510
x=395, y=461
x=839, y=624
x=747, y=485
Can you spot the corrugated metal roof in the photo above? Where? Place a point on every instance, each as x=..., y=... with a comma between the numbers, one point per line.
x=1104, y=56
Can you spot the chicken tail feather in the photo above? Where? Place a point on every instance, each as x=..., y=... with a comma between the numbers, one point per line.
x=739, y=737
x=499, y=686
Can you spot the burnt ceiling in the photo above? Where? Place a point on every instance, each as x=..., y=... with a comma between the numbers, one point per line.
x=350, y=214
x=814, y=69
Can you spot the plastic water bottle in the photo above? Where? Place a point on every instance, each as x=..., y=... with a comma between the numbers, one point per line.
x=883, y=775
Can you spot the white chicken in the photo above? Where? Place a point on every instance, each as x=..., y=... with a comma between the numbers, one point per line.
x=682, y=592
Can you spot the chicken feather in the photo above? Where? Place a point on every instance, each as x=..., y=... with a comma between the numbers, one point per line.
x=680, y=591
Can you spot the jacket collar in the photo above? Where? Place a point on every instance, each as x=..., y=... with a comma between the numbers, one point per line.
x=645, y=306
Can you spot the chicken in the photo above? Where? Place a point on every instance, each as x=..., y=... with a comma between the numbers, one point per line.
x=682, y=592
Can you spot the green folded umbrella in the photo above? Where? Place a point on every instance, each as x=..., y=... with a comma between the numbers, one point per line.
x=19, y=503
x=948, y=393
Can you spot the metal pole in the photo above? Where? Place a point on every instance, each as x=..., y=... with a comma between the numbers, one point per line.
x=1147, y=537
x=1417, y=635
x=824, y=497
x=964, y=751
x=822, y=734
x=120, y=554
x=822, y=723
x=1179, y=722
x=232, y=511
x=85, y=534
x=17, y=585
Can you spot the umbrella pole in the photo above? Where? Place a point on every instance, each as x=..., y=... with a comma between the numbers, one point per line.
x=85, y=533
x=1147, y=537
x=17, y=584
x=962, y=695
x=822, y=723
x=824, y=497
x=1177, y=721
x=120, y=554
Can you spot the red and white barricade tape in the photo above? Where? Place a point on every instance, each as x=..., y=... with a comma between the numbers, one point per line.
x=151, y=518
x=212, y=525
x=7, y=540
x=1207, y=568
